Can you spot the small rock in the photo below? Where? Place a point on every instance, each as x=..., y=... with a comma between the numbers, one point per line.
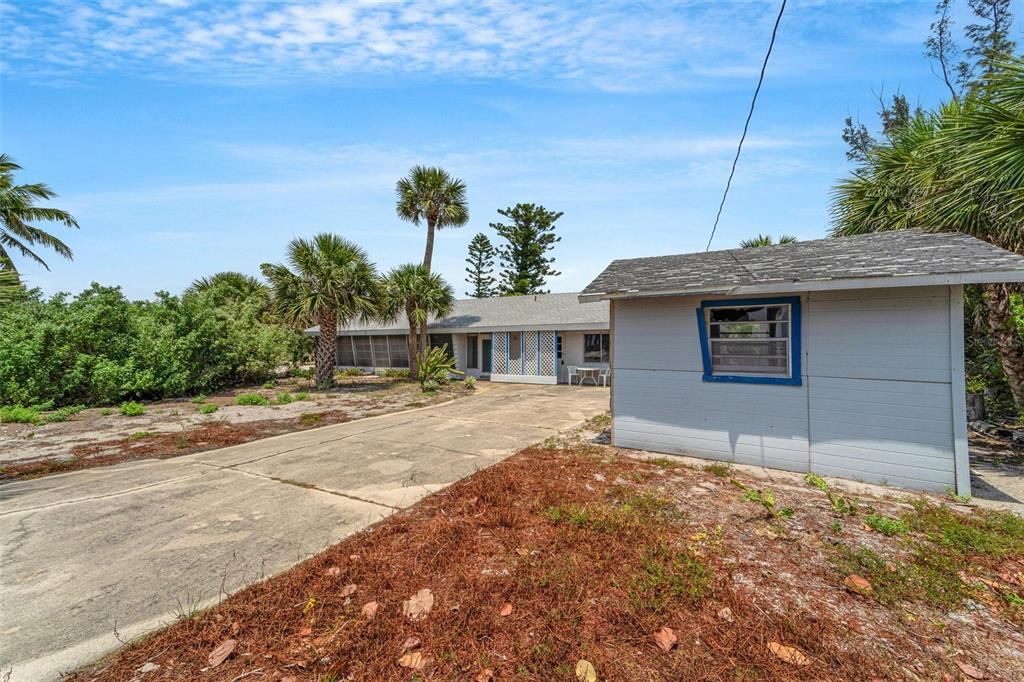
x=858, y=584
x=148, y=667
x=726, y=614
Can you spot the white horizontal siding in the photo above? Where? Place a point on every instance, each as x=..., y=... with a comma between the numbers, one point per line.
x=875, y=403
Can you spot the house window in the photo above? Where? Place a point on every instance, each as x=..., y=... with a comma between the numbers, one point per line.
x=398, y=349
x=472, y=357
x=558, y=346
x=515, y=345
x=443, y=341
x=595, y=348
x=345, y=356
x=755, y=341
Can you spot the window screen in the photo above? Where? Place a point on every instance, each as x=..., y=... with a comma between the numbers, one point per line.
x=364, y=356
x=380, y=352
x=399, y=350
x=345, y=357
x=749, y=340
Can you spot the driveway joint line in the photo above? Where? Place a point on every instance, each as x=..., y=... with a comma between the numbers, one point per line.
x=99, y=497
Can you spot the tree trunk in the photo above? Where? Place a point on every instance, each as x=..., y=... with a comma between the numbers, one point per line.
x=412, y=340
x=996, y=301
x=325, y=351
x=428, y=255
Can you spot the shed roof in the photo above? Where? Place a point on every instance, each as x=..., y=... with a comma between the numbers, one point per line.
x=882, y=259
x=540, y=311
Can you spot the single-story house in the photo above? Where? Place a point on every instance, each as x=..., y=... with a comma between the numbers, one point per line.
x=521, y=339
x=840, y=356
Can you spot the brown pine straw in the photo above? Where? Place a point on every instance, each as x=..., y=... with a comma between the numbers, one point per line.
x=486, y=541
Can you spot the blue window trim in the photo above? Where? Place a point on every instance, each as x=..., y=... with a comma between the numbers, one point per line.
x=795, y=355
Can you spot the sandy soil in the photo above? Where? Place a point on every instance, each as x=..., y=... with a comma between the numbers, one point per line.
x=98, y=436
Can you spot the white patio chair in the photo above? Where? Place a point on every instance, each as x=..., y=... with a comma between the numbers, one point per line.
x=604, y=376
x=571, y=369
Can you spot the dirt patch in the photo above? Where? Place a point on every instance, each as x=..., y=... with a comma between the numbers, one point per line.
x=102, y=436
x=577, y=552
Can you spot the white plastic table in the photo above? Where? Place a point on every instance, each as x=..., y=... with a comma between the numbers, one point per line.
x=585, y=373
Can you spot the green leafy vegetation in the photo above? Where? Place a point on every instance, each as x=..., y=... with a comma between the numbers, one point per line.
x=886, y=525
x=17, y=414
x=394, y=373
x=207, y=408
x=928, y=576
x=284, y=398
x=300, y=395
x=139, y=435
x=983, y=533
x=252, y=399
x=839, y=504
x=720, y=469
x=436, y=367
x=62, y=413
x=199, y=399
x=469, y=383
x=351, y=372
x=765, y=498
x=100, y=348
x=310, y=418
x=132, y=409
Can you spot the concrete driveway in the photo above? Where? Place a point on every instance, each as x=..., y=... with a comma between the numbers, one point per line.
x=132, y=546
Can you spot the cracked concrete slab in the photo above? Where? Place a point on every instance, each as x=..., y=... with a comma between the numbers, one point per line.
x=130, y=545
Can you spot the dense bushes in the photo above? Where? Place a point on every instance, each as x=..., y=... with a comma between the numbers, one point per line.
x=101, y=348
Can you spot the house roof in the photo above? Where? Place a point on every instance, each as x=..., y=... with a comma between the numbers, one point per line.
x=511, y=313
x=882, y=259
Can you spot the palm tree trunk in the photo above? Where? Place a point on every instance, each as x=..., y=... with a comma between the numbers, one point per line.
x=412, y=340
x=996, y=302
x=325, y=350
x=428, y=255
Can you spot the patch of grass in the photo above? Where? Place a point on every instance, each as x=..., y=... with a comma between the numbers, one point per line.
x=720, y=469
x=667, y=576
x=394, y=373
x=886, y=525
x=629, y=509
x=310, y=418
x=350, y=372
x=983, y=533
x=199, y=399
x=139, y=435
x=182, y=441
x=17, y=414
x=62, y=413
x=664, y=463
x=957, y=497
x=300, y=395
x=207, y=408
x=928, y=576
x=132, y=409
x=301, y=373
x=106, y=411
x=269, y=384
x=284, y=398
x=600, y=422
x=252, y=399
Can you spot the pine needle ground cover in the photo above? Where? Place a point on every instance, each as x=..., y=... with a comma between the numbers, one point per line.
x=573, y=561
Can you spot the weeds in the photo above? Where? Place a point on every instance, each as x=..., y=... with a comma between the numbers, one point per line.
x=982, y=534
x=394, y=373
x=840, y=504
x=252, y=399
x=269, y=384
x=300, y=395
x=207, y=408
x=132, y=409
x=106, y=411
x=16, y=414
x=667, y=576
x=886, y=525
x=284, y=398
x=765, y=498
x=199, y=399
x=929, y=577
x=139, y=435
x=720, y=469
x=310, y=418
x=182, y=441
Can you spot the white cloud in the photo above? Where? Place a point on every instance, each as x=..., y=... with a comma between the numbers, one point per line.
x=601, y=44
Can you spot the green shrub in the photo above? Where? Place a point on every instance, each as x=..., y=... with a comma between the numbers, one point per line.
x=199, y=399
x=429, y=386
x=436, y=367
x=469, y=383
x=839, y=504
x=207, y=408
x=132, y=409
x=16, y=414
x=284, y=398
x=252, y=399
x=301, y=373
x=300, y=395
x=139, y=435
x=62, y=413
x=269, y=384
x=107, y=411
x=352, y=372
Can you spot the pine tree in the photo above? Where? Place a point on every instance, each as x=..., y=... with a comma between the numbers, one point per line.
x=525, y=266
x=481, y=265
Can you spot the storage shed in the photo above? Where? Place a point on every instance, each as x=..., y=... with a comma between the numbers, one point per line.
x=840, y=356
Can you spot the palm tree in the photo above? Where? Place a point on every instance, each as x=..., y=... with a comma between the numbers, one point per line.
x=767, y=240
x=230, y=286
x=958, y=169
x=420, y=294
x=18, y=211
x=10, y=285
x=432, y=195
x=330, y=282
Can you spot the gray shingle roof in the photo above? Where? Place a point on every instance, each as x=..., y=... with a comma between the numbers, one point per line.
x=902, y=254
x=543, y=311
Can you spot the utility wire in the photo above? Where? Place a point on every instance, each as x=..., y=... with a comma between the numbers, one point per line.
x=750, y=114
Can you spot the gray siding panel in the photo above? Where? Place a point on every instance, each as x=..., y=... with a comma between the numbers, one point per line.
x=875, y=403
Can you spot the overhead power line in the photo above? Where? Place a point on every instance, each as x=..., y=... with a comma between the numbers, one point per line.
x=746, y=126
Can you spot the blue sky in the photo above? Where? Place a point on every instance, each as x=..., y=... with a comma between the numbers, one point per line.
x=190, y=137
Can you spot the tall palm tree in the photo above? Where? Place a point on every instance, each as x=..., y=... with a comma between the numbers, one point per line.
x=960, y=169
x=767, y=240
x=17, y=213
x=432, y=195
x=331, y=281
x=419, y=294
x=10, y=285
x=229, y=286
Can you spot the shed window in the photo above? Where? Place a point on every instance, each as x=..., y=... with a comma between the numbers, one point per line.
x=595, y=348
x=751, y=341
